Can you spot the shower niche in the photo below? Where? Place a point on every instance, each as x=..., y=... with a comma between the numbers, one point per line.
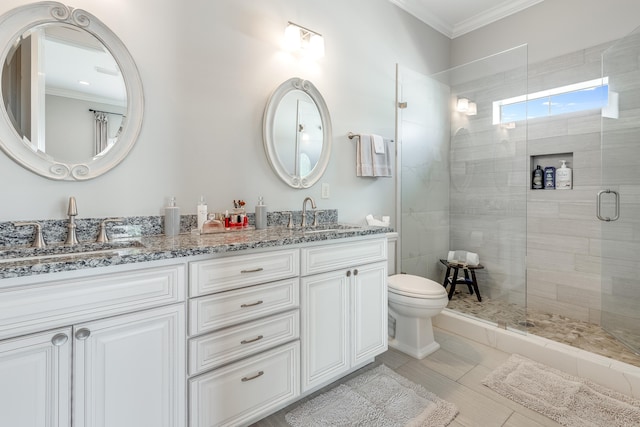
x=555, y=160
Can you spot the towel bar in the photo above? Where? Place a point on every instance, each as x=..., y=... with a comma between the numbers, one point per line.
x=352, y=135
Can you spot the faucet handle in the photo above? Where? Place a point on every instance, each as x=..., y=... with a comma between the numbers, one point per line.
x=102, y=234
x=38, y=241
x=73, y=208
x=315, y=216
x=290, y=223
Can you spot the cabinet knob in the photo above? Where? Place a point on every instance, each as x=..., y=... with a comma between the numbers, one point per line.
x=83, y=333
x=348, y=273
x=59, y=339
x=355, y=272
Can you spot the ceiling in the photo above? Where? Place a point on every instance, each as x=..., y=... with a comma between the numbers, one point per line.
x=454, y=18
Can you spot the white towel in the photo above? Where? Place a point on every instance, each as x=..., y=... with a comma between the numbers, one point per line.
x=470, y=258
x=368, y=162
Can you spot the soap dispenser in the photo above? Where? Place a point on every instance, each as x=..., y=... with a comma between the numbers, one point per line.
x=261, y=215
x=563, y=177
x=172, y=218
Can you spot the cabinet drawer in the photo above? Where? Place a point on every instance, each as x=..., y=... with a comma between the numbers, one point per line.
x=319, y=259
x=218, y=348
x=48, y=305
x=216, y=311
x=216, y=275
x=246, y=391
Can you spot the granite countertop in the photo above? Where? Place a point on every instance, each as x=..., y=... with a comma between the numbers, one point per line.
x=19, y=262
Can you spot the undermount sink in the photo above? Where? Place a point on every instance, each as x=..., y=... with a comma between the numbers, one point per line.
x=80, y=250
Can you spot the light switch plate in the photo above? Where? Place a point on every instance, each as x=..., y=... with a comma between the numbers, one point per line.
x=325, y=190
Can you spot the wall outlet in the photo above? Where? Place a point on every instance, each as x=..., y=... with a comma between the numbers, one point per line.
x=325, y=190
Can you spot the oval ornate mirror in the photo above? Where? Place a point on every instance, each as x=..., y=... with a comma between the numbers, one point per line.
x=72, y=99
x=297, y=133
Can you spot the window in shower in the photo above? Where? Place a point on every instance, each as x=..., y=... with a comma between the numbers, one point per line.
x=592, y=94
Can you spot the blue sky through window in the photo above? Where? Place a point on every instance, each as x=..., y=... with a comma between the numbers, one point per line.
x=567, y=99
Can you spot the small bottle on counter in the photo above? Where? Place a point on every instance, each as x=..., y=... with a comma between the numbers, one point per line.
x=261, y=215
x=172, y=218
x=201, y=212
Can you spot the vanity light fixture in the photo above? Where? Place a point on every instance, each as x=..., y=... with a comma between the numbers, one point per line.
x=463, y=105
x=304, y=40
x=473, y=109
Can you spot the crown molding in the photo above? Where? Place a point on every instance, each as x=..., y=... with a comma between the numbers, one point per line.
x=419, y=9
x=489, y=16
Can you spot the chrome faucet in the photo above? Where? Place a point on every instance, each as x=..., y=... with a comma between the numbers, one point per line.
x=72, y=212
x=304, y=209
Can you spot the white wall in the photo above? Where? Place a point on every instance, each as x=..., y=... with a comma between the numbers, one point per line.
x=551, y=28
x=208, y=68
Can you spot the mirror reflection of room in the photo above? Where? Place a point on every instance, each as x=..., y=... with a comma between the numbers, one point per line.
x=45, y=97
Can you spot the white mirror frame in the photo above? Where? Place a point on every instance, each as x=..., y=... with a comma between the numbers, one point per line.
x=12, y=25
x=268, y=133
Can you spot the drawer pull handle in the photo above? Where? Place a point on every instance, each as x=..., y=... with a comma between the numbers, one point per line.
x=252, y=304
x=259, y=374
x=254, y=270
x=258, y=338
x=59, y=339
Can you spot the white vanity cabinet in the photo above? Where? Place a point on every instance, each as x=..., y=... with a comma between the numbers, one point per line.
x=344, y=308
x=114, y=347
x=35, y=376
x=244, y=348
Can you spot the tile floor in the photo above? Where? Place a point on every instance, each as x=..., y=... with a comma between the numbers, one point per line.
x=575, y=333
x=455, y=373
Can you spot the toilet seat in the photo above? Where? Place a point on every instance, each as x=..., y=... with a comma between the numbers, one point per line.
x=415, y=286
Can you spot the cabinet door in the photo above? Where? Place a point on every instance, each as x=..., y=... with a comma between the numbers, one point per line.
x=368, y=312
x=325, y=327
x=129, y=371
x=35, y=374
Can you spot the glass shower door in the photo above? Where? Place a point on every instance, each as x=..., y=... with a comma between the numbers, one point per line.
x=618, y=201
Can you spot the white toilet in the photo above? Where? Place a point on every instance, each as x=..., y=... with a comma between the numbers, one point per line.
x=413, y=301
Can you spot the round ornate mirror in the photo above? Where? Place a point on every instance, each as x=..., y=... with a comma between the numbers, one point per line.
x=297, y=133
x=72, y=99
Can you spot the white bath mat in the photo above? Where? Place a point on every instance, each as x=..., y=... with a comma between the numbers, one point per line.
x=568, y=400
x=378, y=397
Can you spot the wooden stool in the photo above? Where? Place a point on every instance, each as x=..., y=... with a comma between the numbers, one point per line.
x=471, y=282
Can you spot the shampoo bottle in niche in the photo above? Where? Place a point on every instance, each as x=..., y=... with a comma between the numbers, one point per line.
x=261, y=215
x=172, y=218
x=549, y=178
x=563, y=177
x=537, y=183
x=201, y=212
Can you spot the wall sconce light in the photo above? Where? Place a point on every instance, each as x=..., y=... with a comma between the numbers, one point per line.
x=465, y=106
x=302, y=39
x=473, y=109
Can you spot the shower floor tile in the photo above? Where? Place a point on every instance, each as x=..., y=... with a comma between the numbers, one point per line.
x=576, y=333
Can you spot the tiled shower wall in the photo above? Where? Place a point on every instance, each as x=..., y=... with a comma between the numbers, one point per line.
x=488, y=176
x=490, y=193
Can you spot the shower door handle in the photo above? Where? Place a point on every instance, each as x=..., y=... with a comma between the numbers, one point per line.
x=599, y=202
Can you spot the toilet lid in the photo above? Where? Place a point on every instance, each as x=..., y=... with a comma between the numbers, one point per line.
x=415, y=286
